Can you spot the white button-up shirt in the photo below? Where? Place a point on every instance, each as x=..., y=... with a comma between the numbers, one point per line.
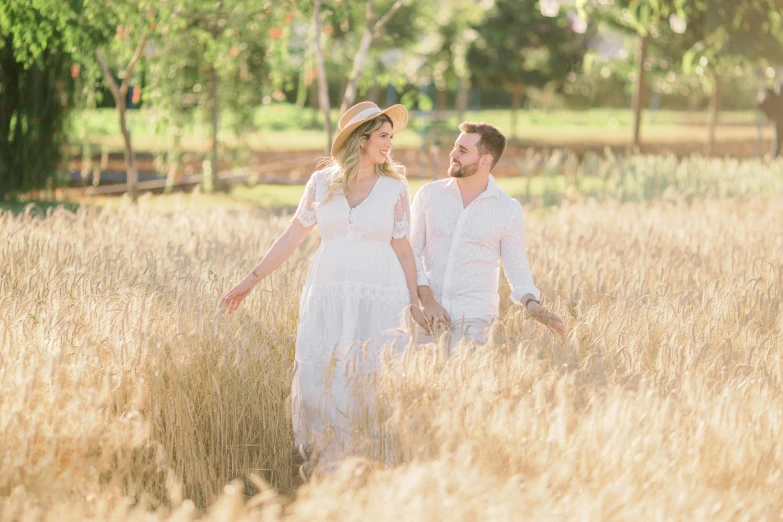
x=458, y=250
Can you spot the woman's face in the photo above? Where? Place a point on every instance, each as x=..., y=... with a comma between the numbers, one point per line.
x=377, y=148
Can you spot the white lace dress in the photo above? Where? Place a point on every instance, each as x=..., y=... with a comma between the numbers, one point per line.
x=353, y=303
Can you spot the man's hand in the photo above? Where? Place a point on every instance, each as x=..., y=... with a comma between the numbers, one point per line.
x=434, y=313
x=547, y=318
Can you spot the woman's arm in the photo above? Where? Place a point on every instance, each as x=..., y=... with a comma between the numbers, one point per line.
x=281, y=250
x=402, y=248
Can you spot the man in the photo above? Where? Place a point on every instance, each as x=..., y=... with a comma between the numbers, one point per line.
x=461, y=228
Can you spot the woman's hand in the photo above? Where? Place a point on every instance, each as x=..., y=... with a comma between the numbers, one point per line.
x=419, y=317
x=233, y=299
x=547, y=318
x=280, y=251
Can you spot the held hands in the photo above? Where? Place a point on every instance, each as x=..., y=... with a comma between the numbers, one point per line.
x=418, y=316
x=233, y=299
x=433, y=314
x=547, y=318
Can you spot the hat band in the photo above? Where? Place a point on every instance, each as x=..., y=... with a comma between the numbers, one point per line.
x=364, y=114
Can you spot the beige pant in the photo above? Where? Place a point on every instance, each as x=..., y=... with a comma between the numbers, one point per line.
x=476, y=329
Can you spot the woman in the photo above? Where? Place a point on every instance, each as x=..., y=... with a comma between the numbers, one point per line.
x=362, y=279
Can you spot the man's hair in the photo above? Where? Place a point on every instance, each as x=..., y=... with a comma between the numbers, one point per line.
x=492, y=140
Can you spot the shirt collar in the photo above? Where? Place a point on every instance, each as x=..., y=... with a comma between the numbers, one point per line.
x=493, y=191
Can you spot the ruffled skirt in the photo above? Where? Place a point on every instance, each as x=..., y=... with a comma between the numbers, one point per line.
x=352, y=306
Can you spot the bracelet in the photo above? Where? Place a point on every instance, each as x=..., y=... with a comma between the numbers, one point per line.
x=531, y=299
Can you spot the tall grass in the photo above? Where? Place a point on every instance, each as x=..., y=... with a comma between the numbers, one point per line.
x=127, y=396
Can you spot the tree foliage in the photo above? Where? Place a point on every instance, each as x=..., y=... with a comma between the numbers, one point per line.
x=205, y=58
x=517, y=46
x=40, y=46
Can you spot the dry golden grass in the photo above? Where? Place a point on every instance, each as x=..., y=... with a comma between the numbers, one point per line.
x=127, y=396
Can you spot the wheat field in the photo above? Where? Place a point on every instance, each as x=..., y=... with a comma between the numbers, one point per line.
x=126, y=395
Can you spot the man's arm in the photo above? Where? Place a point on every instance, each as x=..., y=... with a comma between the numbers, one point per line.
x=519, y=275
x=419, y=235
x=515, y=263
x=432, y=309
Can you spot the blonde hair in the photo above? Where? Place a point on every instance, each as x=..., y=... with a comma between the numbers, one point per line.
x=343, y=166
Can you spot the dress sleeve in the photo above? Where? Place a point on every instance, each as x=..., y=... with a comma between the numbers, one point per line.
x=305, y=213
x=402, y=213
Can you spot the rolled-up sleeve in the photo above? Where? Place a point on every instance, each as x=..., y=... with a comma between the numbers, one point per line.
x=419, y=235
x=514, y=257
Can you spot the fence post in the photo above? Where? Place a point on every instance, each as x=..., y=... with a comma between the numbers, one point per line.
x=759, y=135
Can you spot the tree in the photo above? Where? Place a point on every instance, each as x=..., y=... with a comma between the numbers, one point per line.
x=643, y=18
x=518, y=48
x=127, y=49
x=770, y=103
x=372, y=30
x=729, y=35
x=225, y=46
x=454, y=21
x=40, y=44
x=323, y=88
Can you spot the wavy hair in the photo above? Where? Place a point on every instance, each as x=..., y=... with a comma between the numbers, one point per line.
x=344, y=165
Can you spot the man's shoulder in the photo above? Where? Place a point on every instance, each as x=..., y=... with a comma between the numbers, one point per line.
x=434, y=186
x=507, y=202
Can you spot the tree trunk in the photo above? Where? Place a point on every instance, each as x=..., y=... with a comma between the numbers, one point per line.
x=778, y=140
x=323, y=88
x=304, y=77
x=120, y=99
x=174, y=161
x=374, y=92
x=210, y=183
x=359, y=59
x=440, y=102
x=313, y=101
x=642, y=42
x=516, y=102
x=120, y=94
x=463, y=98
x=130, y=155
x=712, y=122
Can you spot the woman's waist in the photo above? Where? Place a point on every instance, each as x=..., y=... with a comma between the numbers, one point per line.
x=366, y=261
x=356, y=250
x=356, y=243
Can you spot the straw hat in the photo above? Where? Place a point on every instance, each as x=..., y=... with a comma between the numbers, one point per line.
x=363, y=112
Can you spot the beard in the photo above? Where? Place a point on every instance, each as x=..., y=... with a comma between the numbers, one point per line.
x=462, y=171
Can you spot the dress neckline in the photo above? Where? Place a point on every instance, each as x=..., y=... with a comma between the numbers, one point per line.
x=369, y=195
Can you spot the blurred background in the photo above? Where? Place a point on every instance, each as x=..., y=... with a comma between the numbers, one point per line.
x=101, y=98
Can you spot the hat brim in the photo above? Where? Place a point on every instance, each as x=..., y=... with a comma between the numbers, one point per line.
x=398, y=114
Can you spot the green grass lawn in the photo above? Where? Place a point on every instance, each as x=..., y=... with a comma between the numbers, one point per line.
x=287, y=127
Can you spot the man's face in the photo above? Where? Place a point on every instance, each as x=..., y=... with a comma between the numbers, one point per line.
x=464, y=156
